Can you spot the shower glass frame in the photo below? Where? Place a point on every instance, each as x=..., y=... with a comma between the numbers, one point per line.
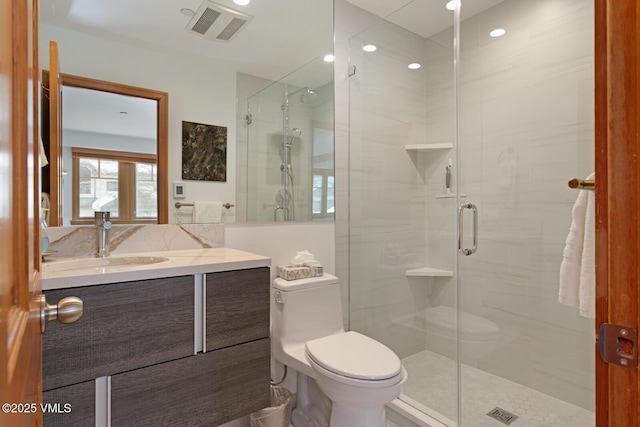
x=397, y=174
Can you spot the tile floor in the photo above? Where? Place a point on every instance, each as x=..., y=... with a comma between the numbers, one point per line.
x=432, y=384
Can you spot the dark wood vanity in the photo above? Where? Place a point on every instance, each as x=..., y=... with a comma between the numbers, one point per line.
x=188, y=350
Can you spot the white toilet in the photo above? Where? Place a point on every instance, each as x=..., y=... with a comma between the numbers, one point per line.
x=344, y=378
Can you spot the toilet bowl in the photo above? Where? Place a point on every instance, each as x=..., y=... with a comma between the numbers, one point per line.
x=356, y=374
x=478, y=336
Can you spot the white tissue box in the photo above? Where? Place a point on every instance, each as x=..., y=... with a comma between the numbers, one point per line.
x=294, y=272
x=316, y=270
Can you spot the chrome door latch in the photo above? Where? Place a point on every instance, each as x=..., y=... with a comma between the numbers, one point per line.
x=474, y=247
x=618, y=345
x=68, y=310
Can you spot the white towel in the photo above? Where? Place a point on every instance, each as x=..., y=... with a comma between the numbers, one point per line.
x=206, y=212
x=577, y=272
x=43, y=157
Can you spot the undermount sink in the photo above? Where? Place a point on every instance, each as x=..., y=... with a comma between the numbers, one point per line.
x=84, y=263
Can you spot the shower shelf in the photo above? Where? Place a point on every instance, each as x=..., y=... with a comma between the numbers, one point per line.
x=428, y=147
x=428, y=272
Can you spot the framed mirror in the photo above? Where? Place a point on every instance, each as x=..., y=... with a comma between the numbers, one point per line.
x=108, y=151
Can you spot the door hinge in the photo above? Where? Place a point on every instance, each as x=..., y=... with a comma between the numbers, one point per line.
x=618, y=345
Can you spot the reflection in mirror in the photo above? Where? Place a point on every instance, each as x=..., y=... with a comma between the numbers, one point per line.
x=122, y=179
x=290, y=173
x=111, y=136
x=152, y=44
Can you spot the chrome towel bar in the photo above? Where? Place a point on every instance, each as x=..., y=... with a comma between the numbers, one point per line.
x=178, y=205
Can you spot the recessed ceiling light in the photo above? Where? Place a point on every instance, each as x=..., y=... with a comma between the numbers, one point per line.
x=451, y=5
x=187, y=12
x=498, y=32
x=369, y=48
x=414, y=66
x=329, y=58
x=242, y=2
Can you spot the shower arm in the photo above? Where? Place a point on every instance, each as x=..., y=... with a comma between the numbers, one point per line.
x=296, y=91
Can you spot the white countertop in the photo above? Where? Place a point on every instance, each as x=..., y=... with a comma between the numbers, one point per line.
x=69, y=272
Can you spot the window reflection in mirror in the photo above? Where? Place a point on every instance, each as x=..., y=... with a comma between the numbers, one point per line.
x=123, y=183
x=323, y=196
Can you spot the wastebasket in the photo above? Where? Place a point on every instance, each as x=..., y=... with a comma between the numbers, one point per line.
x=278, y=414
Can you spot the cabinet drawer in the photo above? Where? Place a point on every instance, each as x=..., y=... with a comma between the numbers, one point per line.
x=82, y=401
x=124, y=326
x=207, y=389
x=237, y=304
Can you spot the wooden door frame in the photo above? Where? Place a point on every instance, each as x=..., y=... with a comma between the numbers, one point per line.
x=617, y=198
x=20, y=336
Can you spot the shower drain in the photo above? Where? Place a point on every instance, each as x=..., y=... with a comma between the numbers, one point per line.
x=503, y=416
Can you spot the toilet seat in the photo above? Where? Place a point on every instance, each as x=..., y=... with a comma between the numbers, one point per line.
x=354, y=382
x=353, y=358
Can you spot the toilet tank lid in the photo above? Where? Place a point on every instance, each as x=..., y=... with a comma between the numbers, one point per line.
x=310, y=282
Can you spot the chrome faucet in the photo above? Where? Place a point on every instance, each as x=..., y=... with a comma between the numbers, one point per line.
x=103, y=225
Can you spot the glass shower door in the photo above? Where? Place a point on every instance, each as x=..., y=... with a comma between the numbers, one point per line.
x=483, y=337
x=525, y=127
x=401, y=227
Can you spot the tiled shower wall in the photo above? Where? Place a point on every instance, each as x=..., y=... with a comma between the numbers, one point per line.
x=387, y=203
x=525, y=128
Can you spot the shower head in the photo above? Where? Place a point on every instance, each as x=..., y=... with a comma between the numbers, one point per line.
x=308, y=96
x=295, y=133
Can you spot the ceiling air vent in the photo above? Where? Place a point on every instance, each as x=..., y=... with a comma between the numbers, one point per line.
x=216, y=22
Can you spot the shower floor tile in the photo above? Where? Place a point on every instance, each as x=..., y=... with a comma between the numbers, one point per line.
x=432, y=385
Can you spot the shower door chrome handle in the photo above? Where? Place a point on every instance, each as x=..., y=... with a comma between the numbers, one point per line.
x=474, y=247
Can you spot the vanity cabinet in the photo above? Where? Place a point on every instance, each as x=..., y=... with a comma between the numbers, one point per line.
x=206, y=390
x=73, y=405
x=237, y=307
x=124, y=326
x=188, y=350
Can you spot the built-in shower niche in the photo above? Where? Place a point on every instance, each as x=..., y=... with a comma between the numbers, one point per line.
x=435, y=163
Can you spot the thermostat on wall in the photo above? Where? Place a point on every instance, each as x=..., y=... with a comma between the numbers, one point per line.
x=178, y=190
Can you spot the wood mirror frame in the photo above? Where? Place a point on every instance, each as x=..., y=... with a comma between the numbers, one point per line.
x=53, y=83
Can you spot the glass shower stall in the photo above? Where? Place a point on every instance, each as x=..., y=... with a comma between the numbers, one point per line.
x=467, y=119
x=289, y=167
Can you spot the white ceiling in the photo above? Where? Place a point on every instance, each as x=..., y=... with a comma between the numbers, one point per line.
x=110, y=113
x=283, y=36
x=423, y=17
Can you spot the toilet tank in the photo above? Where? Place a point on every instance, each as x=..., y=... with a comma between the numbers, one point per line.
x=305, y=309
